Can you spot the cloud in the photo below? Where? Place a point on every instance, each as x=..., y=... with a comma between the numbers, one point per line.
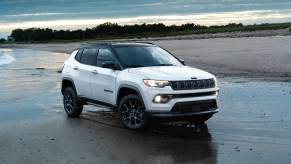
x=36, y=14
x=246, y=17
x=144, y=5
x=55, y=14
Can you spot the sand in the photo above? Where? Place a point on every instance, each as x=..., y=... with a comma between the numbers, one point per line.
x=267, y=57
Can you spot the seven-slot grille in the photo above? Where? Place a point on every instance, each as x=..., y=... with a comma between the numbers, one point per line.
x=193, y=84
x=201, y=106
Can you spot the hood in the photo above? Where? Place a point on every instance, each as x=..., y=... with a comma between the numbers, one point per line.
x=171, y=73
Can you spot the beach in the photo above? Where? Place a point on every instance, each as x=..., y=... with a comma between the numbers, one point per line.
x=252, y=126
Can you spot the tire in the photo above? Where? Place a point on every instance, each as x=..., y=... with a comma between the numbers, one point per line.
x=131, y=112
x=201, y=119
x=72, y=106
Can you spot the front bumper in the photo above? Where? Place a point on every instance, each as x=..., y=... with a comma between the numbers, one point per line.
x=174, y=117
x=178, y=97
x=178, y=115
x=186, y=111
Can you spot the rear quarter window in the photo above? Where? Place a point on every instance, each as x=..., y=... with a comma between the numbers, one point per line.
x=79, y=54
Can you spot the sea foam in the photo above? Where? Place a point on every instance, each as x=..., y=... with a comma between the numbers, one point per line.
x=6, y=58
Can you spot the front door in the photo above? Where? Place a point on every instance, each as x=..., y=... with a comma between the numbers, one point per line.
x=103, y=80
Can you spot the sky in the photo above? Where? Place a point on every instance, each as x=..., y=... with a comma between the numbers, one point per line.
x=81, y=14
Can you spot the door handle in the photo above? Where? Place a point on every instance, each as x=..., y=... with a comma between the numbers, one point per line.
x=94, y=72
x=75, y=68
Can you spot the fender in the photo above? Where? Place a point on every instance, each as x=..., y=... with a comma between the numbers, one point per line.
x=69, y=79
x=133, y=88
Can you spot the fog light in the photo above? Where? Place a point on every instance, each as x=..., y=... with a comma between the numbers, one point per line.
x=162, y=98
x=158, y=99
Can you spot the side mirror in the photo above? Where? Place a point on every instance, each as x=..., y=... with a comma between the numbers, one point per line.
x=182, y=61
x=109, y=64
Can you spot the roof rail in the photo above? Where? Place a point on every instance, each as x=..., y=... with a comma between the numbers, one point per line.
x=145, y=43
x=92, y=44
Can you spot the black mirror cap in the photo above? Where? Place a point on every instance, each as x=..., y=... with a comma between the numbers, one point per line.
x=109, y=64
x=182, y=61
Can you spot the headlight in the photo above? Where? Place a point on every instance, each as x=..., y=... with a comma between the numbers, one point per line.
x=215, y=82
x=156, y=83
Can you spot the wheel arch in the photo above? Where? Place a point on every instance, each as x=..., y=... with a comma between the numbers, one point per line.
x=67, y=82
x=124, y=90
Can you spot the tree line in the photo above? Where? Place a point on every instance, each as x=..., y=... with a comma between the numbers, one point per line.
x=2, y=40
x=104, y=30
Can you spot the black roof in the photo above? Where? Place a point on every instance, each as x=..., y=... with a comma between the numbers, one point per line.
x=116, y=44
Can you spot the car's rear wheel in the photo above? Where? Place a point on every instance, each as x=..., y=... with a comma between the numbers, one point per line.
x=131, y=112
x=72, y=106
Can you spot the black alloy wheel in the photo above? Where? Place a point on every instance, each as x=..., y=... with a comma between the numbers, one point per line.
x=131, y=112
x=72, y=106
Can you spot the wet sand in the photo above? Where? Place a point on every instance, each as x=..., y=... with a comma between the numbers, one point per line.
x=253, y=125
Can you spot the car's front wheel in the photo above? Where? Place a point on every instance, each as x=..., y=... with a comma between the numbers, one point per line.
x=131, y=112
x=72, y=106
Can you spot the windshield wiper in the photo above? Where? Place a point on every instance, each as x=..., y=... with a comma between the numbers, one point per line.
x=164, y=65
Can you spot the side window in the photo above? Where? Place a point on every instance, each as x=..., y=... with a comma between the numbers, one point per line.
x=79, y=54
x=88, y=56
x=104, y=55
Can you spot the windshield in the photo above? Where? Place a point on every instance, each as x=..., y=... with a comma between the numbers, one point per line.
x=132, y=57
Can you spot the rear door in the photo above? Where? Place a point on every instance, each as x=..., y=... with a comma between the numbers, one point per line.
x=83, y=70
x=103, y=81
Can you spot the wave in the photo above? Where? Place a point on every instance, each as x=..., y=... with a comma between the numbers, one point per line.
x=6, y=59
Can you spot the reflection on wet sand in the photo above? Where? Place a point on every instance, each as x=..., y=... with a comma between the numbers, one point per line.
x=175, y=129
x=185, y=130
x=191, y=143
x=166, y=142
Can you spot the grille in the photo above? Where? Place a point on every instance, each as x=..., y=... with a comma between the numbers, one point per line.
x=186, y=95
x=201, y=106
x=193, y=84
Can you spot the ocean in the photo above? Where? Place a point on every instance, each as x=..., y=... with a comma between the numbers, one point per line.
x=27, y=73
x=5, y=57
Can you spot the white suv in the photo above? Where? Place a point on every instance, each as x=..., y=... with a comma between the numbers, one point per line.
x=140, y=81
